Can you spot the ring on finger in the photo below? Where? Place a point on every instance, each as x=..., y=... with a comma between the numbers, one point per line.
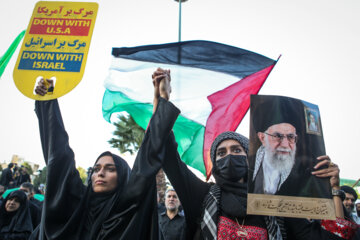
x=331, y=164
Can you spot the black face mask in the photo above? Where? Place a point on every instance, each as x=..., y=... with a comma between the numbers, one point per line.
x=233, y=167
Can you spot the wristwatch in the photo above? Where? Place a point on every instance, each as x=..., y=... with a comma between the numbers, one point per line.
x=338, y=192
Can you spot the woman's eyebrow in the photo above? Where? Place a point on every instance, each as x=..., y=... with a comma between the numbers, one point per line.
x=107, y=165
x=220, y=149
x=235, y=145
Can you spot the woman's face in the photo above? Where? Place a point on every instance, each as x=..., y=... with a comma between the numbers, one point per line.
x=227, y=147
x=12, y=204
x=104, y=177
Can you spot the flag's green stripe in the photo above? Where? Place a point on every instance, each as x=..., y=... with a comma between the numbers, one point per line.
x=349, y=182
x=189, y=134
x=194, y=154
x=4, y=60
x=39, y=197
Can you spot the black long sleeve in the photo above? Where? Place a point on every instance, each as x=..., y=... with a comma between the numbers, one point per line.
x=136, y=215
x=190, y=189
x=64, y=187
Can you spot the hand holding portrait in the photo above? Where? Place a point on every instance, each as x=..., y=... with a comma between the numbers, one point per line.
x=332, y=171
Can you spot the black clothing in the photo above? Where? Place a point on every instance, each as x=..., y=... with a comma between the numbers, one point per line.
x=71, y=210
x=15, y=225
x=38, y=203
x=161, y=208
x=6, y=177
x=172, y=229
x=35, y=213
x=23, y=178
x=192, y=191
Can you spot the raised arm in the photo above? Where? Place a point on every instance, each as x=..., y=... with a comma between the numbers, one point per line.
x=190, y=189
x=64, y=186
x=138, y=203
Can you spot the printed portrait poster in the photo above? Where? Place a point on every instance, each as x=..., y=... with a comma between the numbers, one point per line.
x=285, y=140
x=55, y=47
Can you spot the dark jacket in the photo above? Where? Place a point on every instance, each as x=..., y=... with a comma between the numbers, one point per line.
x=6, y=177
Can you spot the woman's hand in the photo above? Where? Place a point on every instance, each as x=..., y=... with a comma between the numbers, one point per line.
x=42, y=86
x=161, y=80
x=331, y=171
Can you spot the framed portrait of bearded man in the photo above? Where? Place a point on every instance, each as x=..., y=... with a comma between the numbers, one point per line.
x=285, y=141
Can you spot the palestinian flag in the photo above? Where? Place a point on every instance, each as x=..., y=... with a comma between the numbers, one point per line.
x=211, y=85
x=4, y=60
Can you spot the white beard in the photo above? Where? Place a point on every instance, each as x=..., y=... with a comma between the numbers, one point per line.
x=277, y=167
x=280, y=162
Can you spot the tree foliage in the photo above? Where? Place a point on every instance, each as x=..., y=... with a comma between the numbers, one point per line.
x=128, y=135
x=41, y=178
x=82, y=173
x=28, y=167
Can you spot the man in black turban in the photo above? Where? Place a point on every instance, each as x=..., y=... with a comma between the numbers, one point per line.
x=276, y=123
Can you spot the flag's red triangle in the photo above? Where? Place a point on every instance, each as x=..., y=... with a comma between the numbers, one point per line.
x=229, y=106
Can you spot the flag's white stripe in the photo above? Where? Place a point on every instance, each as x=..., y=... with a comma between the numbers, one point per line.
x=191, y=86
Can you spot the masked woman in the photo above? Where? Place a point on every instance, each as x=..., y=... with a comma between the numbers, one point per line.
x=218, y=211
x=117, y=203
x=15, y=219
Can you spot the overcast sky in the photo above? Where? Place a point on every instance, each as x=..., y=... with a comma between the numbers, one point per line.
x=319, y=42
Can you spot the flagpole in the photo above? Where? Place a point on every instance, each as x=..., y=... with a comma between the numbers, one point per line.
x=180, y=1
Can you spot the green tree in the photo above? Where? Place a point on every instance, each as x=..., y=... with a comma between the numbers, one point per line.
x=83, y=174
x=28, y=167
x=41, y=178
x=127, y=136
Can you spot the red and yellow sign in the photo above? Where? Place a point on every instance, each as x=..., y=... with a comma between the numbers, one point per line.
x=55, y=46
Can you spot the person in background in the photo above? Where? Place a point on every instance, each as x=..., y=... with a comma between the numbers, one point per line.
x=16, y=176
x=2, y=190
x=356, y=215
x=15, y=219
x=41, y=189
x=7, y=178
x=24, y=176
x=171, y=222
x=349, y=201
x=29, y=190
x=35, y=206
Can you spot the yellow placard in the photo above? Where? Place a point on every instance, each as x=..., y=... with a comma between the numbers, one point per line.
x=55, y=46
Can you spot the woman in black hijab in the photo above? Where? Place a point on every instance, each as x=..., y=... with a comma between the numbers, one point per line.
x=117, y=203
x=15, y=219
x=107, y=182
x=218, y=211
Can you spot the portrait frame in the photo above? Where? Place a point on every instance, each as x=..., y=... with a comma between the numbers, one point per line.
x=299, y=194
x=312, y=113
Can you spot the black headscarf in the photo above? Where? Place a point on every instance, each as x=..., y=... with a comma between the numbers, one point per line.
x=233, y=194
x=16, y=224
x=95, y=208
x=100, y=205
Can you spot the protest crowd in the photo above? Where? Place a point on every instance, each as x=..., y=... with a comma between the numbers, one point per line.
x=122, y=203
